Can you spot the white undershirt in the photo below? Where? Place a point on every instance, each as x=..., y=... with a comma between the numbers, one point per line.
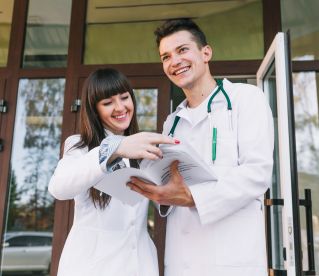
x=194, y=112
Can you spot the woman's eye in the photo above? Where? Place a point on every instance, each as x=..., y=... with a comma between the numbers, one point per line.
x=124, y=98
x=107, y=103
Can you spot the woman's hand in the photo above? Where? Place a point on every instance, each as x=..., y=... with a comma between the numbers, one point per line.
x=143, y=145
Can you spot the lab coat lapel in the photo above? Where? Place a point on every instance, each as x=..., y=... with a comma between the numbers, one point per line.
x=182, y=111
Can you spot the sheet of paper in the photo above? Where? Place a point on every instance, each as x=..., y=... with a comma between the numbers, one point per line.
x=114, y=184
x=191, y=167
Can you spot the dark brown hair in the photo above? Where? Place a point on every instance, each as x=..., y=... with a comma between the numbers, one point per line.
x=182, y=24
x=101, y=84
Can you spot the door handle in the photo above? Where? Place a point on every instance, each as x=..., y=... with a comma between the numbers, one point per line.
x=307, y=203
x=75, y=105
x=3, y=106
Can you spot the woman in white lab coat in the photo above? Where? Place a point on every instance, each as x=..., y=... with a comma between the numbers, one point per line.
x=108, y=237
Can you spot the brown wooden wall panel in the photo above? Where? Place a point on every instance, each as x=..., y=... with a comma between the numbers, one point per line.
x=64, y=210
x=271, y=21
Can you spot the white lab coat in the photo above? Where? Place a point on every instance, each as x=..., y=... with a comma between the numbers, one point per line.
x=224, y=235
x=109, y=242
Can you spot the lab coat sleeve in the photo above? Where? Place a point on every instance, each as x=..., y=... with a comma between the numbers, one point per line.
x=248, y=181
x=76, y=172
x=107, y=147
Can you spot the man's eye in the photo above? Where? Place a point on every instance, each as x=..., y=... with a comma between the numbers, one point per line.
x=164, y=58
x=124, y=97
x=183, y=49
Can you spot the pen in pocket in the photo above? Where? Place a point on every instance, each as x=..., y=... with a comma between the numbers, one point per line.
x=214, y=144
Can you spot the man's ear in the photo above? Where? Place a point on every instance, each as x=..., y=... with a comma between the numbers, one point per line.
x=207, y=53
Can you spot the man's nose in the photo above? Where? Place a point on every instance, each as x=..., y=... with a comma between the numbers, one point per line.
x=176, y=60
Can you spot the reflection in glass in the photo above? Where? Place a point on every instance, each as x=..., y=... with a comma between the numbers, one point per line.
x=35, y=153
x=305, y=86
x=25, y=251
x=146, y=109
x=275, y=191
x=47, y=33
x=120, y=32
x=146, y=100
x=6, y=9
x=301, y=19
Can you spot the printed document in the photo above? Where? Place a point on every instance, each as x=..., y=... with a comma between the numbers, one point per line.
x=193, y=169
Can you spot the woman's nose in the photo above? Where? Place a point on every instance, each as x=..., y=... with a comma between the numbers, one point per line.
x=119, y=105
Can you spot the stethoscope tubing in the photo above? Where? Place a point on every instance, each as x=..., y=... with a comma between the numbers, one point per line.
x=212, y=128
x=209, y=108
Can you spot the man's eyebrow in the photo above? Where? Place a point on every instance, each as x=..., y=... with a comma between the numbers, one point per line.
x=164, y=54
x=177, y=48
x=180, y=46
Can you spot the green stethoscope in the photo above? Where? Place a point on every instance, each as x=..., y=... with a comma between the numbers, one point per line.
x=213, y=129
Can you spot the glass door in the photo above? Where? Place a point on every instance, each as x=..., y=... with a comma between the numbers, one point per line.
x=282, y=199
x=26, y=247
x=288, y=254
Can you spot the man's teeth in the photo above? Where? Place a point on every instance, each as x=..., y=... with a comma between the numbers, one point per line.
x=181, y=71
x=120, y=116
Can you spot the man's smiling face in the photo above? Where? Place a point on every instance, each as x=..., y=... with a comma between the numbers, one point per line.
x=183, y=61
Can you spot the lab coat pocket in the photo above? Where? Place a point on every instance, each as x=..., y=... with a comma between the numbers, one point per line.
x=226, y=148
x=88, y=243
x=241, y=240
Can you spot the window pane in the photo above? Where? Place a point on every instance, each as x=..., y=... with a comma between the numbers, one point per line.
x=6, y=9
x=47, y=33
x=305, y=86
x=146, y=109
x=35, y=153
x=17, y=242
x=301, y=19
x=39, y=241
x=122, y=31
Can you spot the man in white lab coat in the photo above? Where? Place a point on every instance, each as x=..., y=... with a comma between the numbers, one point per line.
x=215, y=228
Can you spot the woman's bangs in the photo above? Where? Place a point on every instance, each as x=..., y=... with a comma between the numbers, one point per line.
x=108, y=89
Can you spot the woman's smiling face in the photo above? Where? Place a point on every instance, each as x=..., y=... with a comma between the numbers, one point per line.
x=116, y=112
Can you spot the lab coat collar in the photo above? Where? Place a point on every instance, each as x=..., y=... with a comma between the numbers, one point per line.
x=227, y=86
x=181, y=109
x=107, y=132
